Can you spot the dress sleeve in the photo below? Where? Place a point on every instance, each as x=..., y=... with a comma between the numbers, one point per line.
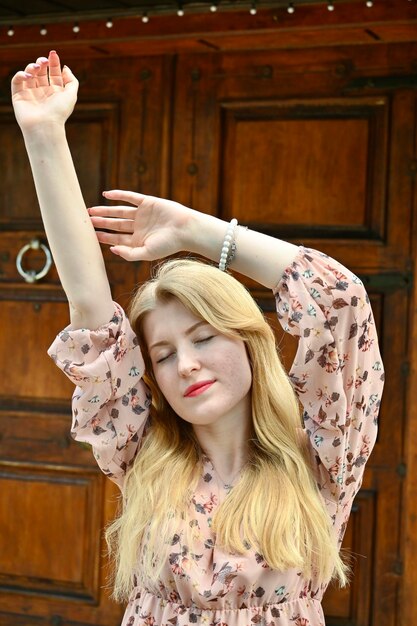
x=337, y=372
x=110, y=404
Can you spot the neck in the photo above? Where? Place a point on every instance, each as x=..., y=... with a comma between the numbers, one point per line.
x=226, y=446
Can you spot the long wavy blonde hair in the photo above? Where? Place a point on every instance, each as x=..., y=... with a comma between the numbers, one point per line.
x=275, y=506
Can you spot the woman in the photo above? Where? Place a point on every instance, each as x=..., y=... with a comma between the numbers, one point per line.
x=234, y=507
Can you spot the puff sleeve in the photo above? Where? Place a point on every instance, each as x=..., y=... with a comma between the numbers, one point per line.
x=337, y=373
x=110, y=404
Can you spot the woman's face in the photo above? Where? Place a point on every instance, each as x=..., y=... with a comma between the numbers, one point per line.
x=204, y=375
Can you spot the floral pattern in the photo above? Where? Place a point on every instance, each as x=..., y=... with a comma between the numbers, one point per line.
x=338, y=376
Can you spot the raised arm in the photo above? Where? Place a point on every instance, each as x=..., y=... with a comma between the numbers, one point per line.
x=155, y=228
x=43, y=98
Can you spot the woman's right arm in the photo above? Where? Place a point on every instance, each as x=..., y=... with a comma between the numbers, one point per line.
x=99, y=352
x=110, y=405
x=43, y=98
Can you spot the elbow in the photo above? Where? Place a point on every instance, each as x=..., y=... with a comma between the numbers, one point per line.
x=89, y=315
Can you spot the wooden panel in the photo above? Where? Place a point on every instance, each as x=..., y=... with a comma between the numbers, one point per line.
x=16, y=173
x=42, y=435
x=215, y=88
x=408, y=597
x=33, y=373
x=353, y=603
x=95, y=123
x=63, y=508
x=306, y=191
x=300, y=199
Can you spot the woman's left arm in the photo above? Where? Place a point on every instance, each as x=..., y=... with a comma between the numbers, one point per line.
x=337, y=373
x=155, y=228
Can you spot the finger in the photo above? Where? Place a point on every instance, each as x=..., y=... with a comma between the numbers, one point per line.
x=42, y=72
x=113, y=239
x=125, y=212
x=121, y=226
x=125, y=196
x=19, y=81
x=32, y=69
x=69, y=80
x=55, y=74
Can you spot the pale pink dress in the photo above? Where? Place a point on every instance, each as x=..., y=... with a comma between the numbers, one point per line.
x=338, y=376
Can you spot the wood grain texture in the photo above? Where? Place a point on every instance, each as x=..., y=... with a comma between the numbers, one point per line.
x=294, y=126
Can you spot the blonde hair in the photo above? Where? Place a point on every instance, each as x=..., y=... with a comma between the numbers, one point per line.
x=275, y=506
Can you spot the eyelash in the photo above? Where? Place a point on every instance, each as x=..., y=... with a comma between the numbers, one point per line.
x=199, y=341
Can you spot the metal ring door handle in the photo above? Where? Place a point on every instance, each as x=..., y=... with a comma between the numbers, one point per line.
x=31, y=276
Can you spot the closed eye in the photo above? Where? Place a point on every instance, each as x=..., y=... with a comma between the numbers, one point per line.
x=164, y=358
x=204, y=339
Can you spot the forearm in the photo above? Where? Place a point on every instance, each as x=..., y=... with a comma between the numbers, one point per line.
x=258, y=256
x=71, y=236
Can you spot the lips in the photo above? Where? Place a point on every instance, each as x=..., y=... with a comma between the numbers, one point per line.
x=198, y=387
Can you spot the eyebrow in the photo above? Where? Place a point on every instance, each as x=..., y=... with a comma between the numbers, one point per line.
x=187, y=332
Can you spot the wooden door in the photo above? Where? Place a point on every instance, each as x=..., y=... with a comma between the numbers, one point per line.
x=311, y=146
x=54, y=501
x=315, y=147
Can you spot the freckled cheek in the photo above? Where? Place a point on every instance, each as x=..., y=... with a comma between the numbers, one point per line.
x=165, y=384
x=235, y=370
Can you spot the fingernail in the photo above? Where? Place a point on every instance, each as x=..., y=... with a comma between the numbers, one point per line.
x=114, y=251
x=36, y=65
x=28, y=75
x=104, y=193
x=52, y=51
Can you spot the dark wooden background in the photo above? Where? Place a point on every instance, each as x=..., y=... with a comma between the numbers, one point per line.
x=303, y=128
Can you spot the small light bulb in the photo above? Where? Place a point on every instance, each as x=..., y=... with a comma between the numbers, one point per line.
x=145, y=18
x=330, y=6
x=290, y=8
x=252, y=11
x=10, y=31
x=43, y=31
x=369, y=3
x=109, y=23
x=180, y=12
x=76, y=28
x=213, y=8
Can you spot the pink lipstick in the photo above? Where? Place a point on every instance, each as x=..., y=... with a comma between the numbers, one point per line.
x=198, y=388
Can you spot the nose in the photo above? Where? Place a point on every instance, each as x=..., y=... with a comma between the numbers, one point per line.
x=187, y=362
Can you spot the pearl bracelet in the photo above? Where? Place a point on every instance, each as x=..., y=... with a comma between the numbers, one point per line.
x=229, y=246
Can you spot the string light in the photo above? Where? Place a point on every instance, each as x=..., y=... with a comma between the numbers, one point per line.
x=180, y=12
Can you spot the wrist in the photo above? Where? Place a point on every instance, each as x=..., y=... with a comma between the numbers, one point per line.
x=44, y=134
x=206, y=235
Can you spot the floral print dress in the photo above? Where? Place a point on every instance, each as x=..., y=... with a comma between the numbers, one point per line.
x=338, y=377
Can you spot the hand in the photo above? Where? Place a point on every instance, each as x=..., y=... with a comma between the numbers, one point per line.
x=153, y=229
x=43, y=93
